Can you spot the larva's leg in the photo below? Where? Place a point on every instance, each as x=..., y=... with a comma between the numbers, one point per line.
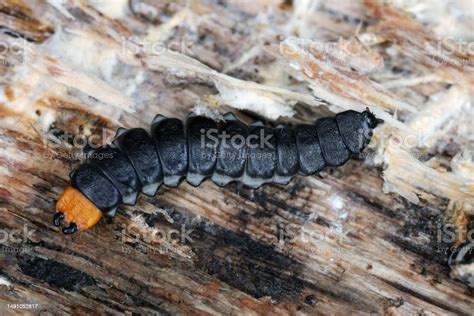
x=332, y=146
x=120, y=131
x=158, y=118
x=172, y=148
x=230, y=117
x=310, y=158
x=138, y=146
x=201, y=133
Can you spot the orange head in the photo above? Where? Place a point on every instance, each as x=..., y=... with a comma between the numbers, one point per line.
x=76, y=210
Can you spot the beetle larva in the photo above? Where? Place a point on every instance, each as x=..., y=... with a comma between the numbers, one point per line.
x=202, y=148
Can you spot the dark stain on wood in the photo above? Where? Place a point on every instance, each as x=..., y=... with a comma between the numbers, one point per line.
x=238, y=260
x=54, y=273
x=424, y=222
x=269, y=203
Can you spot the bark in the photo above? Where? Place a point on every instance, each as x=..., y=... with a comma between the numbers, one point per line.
x=337, y=243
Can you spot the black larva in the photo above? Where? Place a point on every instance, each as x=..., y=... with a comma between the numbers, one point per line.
x=223, y=151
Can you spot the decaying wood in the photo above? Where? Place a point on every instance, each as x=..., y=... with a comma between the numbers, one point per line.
x=365, y=238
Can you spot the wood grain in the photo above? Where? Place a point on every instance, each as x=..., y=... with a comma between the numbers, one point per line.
x=328, y=244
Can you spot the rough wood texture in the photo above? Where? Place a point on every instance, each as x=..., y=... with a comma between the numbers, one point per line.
x=338, y=243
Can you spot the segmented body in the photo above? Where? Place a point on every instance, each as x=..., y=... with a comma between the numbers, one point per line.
x=224, y=151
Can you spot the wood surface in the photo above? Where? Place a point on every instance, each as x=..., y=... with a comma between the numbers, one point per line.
x=336, y=243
